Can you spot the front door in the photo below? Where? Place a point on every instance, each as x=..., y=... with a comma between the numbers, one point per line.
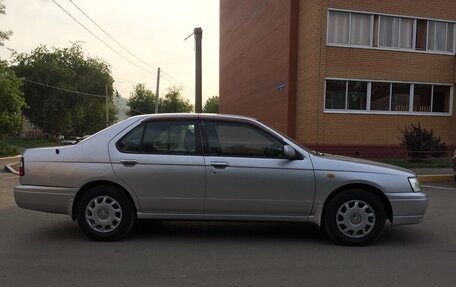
x=247, y=173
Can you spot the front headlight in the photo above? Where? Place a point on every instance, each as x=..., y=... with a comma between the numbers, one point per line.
x=415, y=184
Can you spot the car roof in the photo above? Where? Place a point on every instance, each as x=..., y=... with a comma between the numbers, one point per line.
x=197, y=116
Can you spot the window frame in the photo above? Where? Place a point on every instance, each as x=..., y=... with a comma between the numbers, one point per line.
x=376, y=46
x=390, y=111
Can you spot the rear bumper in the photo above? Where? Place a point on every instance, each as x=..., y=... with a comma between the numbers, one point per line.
x=408, y=208
x=45, y=198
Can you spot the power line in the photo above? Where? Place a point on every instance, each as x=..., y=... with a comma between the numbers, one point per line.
x=123, y=47
x=99, y=39
x=171, y=79
x=63, y=89
x=112, y=38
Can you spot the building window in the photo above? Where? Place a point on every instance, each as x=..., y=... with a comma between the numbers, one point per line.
x=349, y=28
x=400, y=97
x=390, y=32
x=406, y=33
x=441, y=99
x=450, y=38
x=338, y=27
x=387, y=97
x=380, y=96
x=421, y=34
x=360, y=27
x=440, y=36
x=422, y=98
x=357, y=95
x=335, y=95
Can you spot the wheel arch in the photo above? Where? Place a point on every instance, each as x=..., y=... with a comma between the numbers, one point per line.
x=86, y=187
x=369, y=188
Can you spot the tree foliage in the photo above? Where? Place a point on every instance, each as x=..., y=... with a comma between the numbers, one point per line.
x=173, y=102
x=61, y=112
x=141, y=101
x=211, y=105
x=4, y=35
x=11, y=98
x=11, y=101
x=418, y=139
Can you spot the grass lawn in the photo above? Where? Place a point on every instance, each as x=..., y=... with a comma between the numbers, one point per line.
x=17, y=145
x=423, y=163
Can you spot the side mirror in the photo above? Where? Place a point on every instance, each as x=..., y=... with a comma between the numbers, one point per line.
x=289, y=151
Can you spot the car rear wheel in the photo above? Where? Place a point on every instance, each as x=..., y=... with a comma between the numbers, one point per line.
x=105, y=213
x=354, y=217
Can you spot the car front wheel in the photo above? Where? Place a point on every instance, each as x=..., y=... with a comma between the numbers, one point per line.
x=105, y=213
x=354, y=217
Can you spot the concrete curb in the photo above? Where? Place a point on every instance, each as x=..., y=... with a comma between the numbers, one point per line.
x=436, y=178
x=11, y=157
x=9, y=168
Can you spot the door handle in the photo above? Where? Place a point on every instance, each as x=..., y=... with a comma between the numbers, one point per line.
x=219, y=164
x=129, y=162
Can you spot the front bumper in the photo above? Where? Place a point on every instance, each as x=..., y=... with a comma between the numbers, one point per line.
x=45, y=198
x=408, y=208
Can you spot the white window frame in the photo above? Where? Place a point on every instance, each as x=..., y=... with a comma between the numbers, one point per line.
x=371, y=36
x=350, y=44
x=410, y=111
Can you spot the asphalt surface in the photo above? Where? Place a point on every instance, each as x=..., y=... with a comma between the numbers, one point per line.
x=39, y=249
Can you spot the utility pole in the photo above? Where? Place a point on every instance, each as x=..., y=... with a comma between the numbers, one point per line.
x=157, y=90
x=107, y=105
x=198, y=70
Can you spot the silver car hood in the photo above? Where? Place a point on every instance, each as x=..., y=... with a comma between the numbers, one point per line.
x=350, y=164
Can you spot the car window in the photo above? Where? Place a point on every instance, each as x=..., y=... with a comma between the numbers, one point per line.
x=239, y=139
x=169, y=138
x=131, y=141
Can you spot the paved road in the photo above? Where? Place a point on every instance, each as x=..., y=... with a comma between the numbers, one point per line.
x=38, y=249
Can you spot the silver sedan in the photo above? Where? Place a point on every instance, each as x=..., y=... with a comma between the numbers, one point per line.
x=213, y=167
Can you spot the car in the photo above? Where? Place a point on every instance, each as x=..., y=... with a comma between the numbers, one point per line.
x=214, y=167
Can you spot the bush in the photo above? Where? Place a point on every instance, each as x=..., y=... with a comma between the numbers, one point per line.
x=6, y=150
x=420, y=140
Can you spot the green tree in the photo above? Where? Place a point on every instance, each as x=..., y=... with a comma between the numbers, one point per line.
x=141, y=101
x=11, y=98
x=173, y=102
x=11, y=101
x=211, y=105
x=56, y=111
x=4, y=35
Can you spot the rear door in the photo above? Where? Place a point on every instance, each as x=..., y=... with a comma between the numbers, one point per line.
x=247, y=174
x=162, y=162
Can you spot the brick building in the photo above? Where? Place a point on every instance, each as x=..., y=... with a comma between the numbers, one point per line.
x=341, y=75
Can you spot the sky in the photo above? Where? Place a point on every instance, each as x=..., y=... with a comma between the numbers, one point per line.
x=152, y=30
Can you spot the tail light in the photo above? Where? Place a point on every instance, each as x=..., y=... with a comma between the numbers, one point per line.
x=21, y=167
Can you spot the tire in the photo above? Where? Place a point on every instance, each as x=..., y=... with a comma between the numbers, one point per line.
x=354, y=217
x=105, y=213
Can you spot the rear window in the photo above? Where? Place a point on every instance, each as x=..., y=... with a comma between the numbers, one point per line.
x=172, y=137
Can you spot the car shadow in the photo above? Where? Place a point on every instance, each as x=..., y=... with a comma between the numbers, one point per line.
x=220, y=231
x=226, y=231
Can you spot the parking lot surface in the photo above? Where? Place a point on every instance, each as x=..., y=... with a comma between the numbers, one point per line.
x=39, y=249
